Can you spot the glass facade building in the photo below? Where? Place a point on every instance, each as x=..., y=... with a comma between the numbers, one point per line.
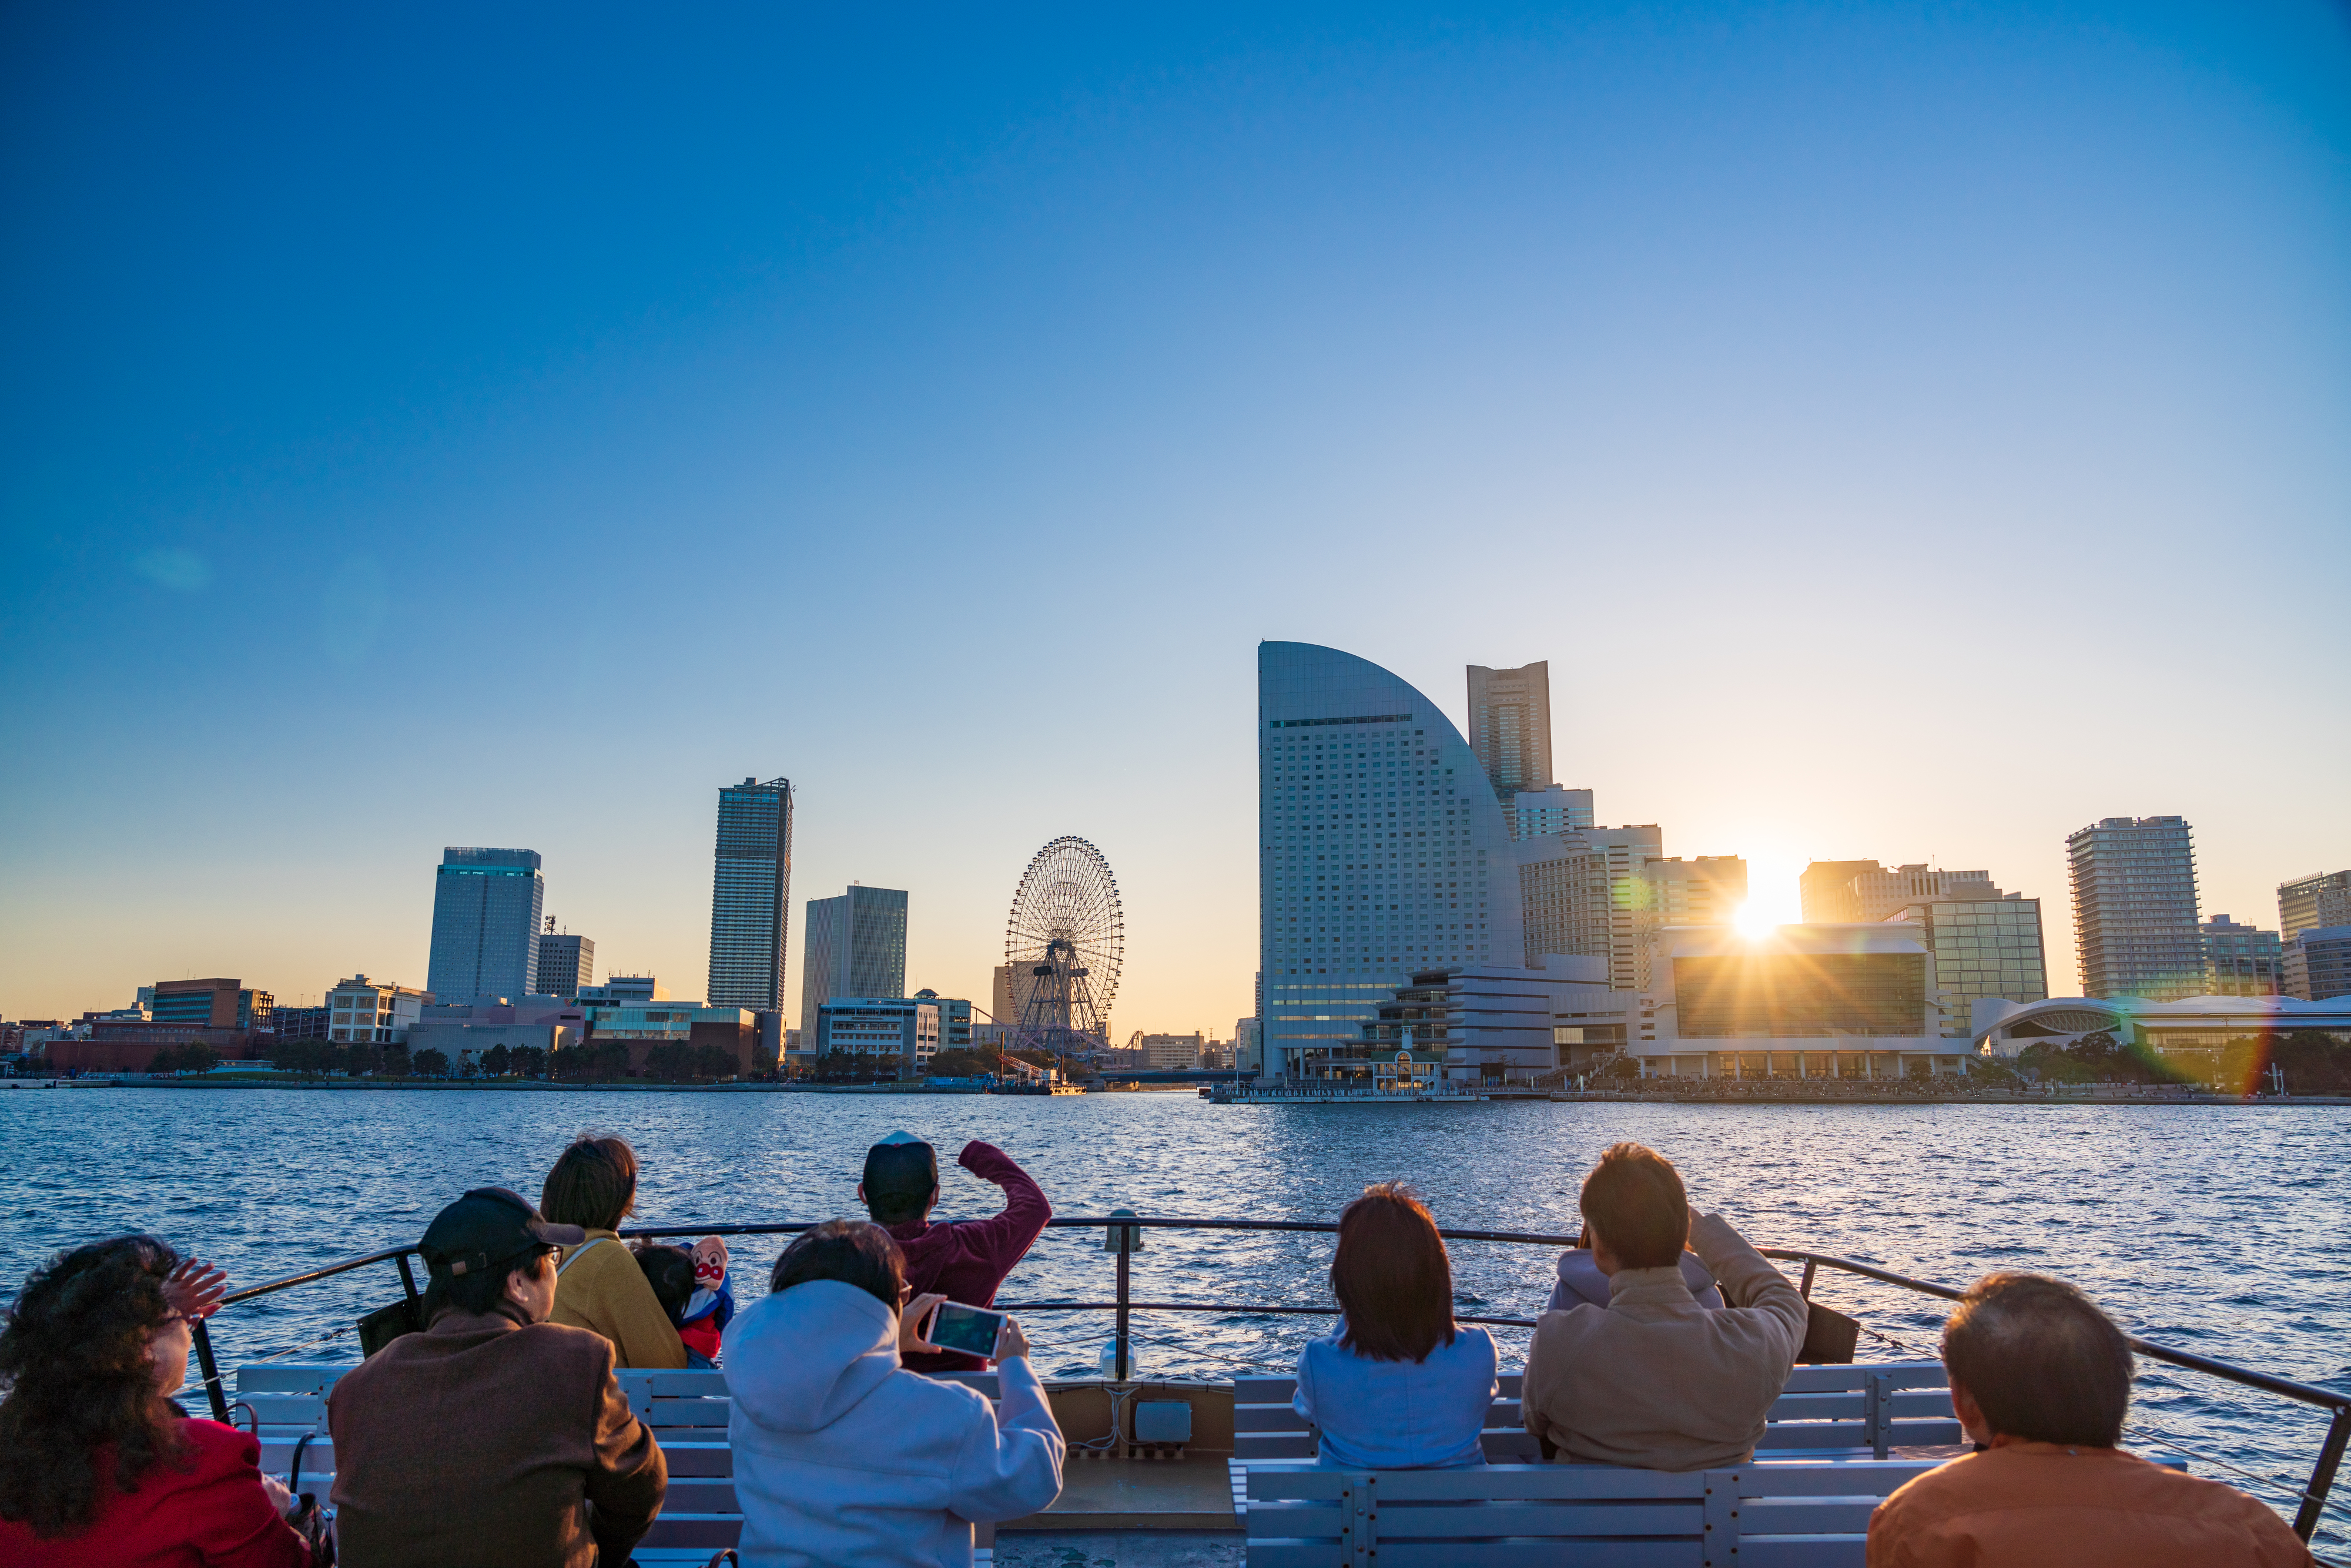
x=856, y=947
x=2242, y=960
x=566, y=962
x=2135, y=921
x=486, y=919
x=2310, y=902
x=1983, y=947
x=1382, y=848
x=2318, y=964
x=751, y=894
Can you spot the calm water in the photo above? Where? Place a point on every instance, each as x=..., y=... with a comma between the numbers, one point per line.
x=2219, y=1230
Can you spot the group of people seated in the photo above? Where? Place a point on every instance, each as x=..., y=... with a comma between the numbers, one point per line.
x=498, y=1433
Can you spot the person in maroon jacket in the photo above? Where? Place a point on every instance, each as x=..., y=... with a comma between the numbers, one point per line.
x=962, y=1259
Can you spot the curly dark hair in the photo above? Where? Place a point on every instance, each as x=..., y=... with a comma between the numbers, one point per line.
x=73, y=1361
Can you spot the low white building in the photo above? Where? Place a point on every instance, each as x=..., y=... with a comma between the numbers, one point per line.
x=361, y=1011
x=2189, y=1024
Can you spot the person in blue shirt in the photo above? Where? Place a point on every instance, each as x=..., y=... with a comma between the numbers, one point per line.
x=1399, y=1385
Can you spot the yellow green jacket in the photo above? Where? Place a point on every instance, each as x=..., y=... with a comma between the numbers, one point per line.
x=598, y=1286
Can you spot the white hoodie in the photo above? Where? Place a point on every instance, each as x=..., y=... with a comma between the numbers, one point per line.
x=843, y=1456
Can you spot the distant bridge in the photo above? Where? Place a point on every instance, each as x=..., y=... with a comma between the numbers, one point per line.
x=1172, y=1075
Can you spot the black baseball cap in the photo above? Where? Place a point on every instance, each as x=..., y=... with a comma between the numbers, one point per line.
x=489, y=1225
x=900, y=1166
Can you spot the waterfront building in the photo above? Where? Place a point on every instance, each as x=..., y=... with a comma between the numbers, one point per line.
x=2193, y=1025
x=2242, y=960
x=910, y=1029
x=1480, y=1023
x=2135, y=920
x=485, y=918
x=2308, y=902
x=1381, y=847
x=1826, y=890
x=464, y=1031
x=565, y=962
x=855, y=946
x=1162, y=1052
x=751, y=894
x=1008, y=997
x=1986, y=950
x=1804, y=1001
x=2318, y=964
x=1583, y=894
x=1534, y=813
x=643, y=1023
x=621, y=989
x=1509, y=730
x=209, y=1004
x=298, y=1023
x=360, y=1011
x=1249, y=1049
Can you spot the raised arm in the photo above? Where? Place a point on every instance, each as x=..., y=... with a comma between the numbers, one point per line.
x=1007, y=1236
x=1749, y=1282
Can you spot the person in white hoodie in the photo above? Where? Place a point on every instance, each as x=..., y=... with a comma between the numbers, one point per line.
x=840, y=1453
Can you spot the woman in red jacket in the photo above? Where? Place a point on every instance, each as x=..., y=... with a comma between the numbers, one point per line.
x=97, y=1468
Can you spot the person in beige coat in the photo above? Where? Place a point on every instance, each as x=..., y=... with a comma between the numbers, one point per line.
x=597, y=1284
x=1654, y=1379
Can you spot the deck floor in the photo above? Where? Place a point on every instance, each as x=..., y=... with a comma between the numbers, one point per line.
x=1121, y=1549
x=1194, y=1493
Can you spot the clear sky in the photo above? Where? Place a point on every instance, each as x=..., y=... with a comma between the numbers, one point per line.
x=1909, y=432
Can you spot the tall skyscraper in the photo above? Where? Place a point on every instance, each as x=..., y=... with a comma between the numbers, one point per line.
x=486, y=914
x=1510, y=728
x=565, y=962
x=751, y=895
x=2309, y=902
x=1583, y=894
x=855, y=946
x=2135, y=922
x=1382, y=848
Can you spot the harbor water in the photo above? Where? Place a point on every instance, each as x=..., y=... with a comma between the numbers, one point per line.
x=2218, y=1230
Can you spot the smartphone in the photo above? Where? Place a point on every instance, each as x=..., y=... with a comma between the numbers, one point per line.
x=971, y=1330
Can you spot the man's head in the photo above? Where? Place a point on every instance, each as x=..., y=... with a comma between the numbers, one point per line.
x=848, y=1250
x=490, y=1251
x=2034, y=1359
x=902, y=1179
x=1634, y=1206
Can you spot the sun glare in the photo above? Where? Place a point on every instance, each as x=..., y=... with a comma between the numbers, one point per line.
x=1753, y=921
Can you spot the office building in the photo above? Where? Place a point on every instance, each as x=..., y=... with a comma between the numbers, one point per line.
x=1805, y=1001
x=1162, y=1052
x=360, y=1011
x=1826, y=890
x=2305, y=902
x=1879, y=895
x=1582, y=894
x=1381, y=847
x=486, y=920
x=2135, y=920
x=466, y=1031
x=855, y=946
x=1985, y=950
x=1706, y=890
x=1535, y=813
x=1478, y=1023
x=2318, y=965
x=210, y=1004
x=1009, y=995
x=1509, y=730
x=639, y=1012
x=2242, y=960
x=298, y=1023
x=750, y=895
x=907, y=1031
x=565, y=962
x=1249, y=1049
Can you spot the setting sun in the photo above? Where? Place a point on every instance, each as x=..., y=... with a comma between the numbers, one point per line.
x=1754, y=920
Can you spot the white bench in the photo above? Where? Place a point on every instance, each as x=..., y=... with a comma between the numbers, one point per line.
x=1869, y=1408
x=1793, y=1513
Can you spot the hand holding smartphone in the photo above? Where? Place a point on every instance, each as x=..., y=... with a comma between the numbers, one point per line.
x=974, y=1331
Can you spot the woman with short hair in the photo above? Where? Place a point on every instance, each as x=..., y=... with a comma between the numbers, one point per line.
x=597, y=1284
x=97, y=1464
x=842, y=1455
x=1398, y=1386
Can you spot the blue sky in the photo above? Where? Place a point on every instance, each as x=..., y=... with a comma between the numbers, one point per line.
x=1908, y=431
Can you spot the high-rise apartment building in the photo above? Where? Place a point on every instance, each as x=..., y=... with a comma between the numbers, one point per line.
x=2242, y=960
x=751, y=894
x=1381, y=847
x=1537, y=813
x=2135, y=920
x=1509, y=729
x=565, y=962
x=855, y=946
x=2313, y=901
x=1984, y=949
x=1582, y=894
x=1826, y=889
x=2318, y=963
x=486, y=917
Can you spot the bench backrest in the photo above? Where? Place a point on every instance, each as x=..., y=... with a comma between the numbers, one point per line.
x=1876, y=1407
x=1766, y=1515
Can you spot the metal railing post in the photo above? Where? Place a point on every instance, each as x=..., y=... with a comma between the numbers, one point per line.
x=1119, y=1366
x=1806, y=1290
x=219, y=1399
x=2321, y=1474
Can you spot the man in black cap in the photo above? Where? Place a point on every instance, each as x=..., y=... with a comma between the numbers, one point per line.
x=963, y=1261
x=478, y=1441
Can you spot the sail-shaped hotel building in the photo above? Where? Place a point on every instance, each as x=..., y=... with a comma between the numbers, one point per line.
x=1382, y=849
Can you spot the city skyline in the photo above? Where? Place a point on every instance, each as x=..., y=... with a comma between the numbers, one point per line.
x=940, y=421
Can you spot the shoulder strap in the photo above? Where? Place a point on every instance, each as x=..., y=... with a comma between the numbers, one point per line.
x=577, y=1252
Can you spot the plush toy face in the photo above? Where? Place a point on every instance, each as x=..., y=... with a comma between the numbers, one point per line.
x=709, y=1262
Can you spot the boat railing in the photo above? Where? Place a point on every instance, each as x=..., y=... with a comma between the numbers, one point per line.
x=1121, y=1232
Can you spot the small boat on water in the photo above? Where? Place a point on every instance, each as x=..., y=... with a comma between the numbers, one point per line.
x=1153, y=1459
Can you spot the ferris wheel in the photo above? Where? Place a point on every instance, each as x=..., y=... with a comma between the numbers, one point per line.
x=1065, y=944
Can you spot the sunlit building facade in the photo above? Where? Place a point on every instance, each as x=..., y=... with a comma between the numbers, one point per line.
x=856, y=947
x=1583, y=894
x=2309, y=902
x=486, y=917
x=1986, y=950
x=2135, y=919
x=2242, y=960
x=1382, y=848
x=751, y=895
